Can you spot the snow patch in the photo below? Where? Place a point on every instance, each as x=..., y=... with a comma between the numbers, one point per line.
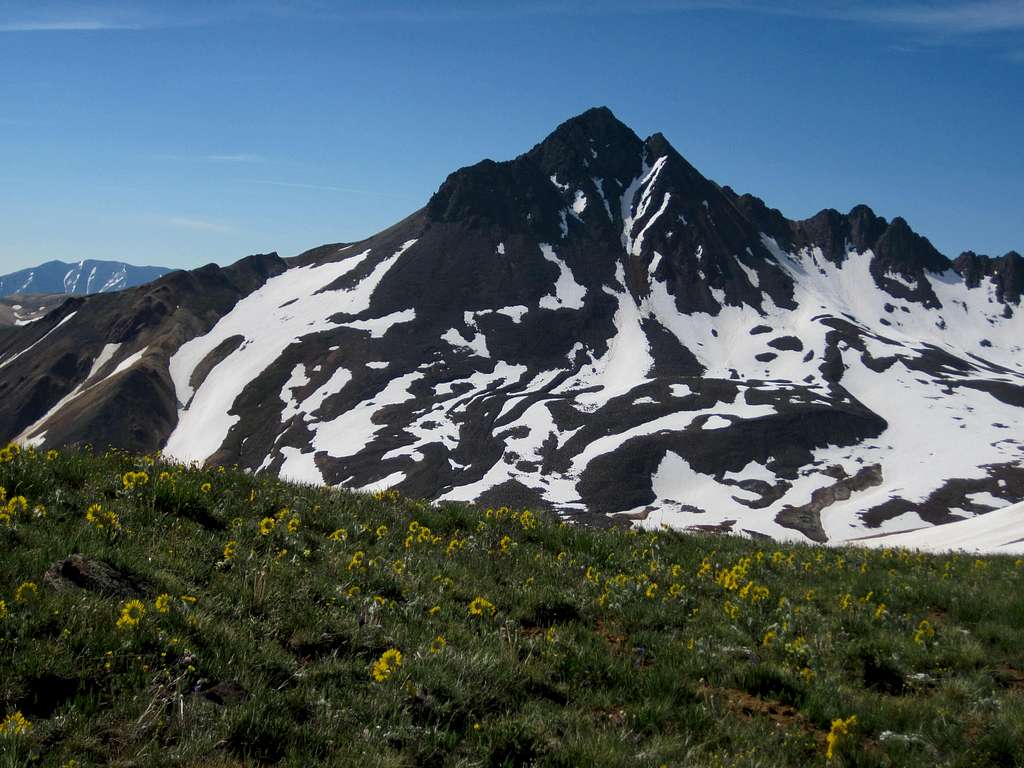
x=568, y=293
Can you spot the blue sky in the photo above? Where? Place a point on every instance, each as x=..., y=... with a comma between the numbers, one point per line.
x=183, y=132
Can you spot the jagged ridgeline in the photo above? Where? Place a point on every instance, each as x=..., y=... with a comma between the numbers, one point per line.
x=593, y=327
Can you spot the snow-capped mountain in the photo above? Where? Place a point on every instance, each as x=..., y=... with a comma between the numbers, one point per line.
x=83, y=277
x=593, y=327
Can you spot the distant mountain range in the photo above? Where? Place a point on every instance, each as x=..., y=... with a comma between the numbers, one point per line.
x=80, y=278
x=593, y=327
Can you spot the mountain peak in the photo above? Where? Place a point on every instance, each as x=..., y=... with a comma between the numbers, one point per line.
x=592, y=327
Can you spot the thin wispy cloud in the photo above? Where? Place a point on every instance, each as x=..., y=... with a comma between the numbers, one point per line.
x=63, y=25
x=196, y=224
x=235, y=158
x=935, y=19
x=41, y=16
x=218, y=157
x=323, y=188
x=20, y=122
x=947, y=18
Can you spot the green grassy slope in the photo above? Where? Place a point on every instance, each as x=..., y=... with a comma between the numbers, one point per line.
x=217, y=618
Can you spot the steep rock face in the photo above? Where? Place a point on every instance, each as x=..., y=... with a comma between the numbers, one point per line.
x=593, y=327
x=1006, y=274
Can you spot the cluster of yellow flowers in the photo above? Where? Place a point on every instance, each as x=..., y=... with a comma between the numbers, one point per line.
x=840, y=728
x=386, y=665
x=15, y=725
x=420, y=534
x=481, y=605
x=131, y=614
x=25, y=591
x=133, y=480
x=924, y=632
x=100, y=518
x=455, y=545
x=9, y=453
x=11, y=509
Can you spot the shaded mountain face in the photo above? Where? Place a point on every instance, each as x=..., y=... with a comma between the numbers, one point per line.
x=80, y=278
x=22, y=310
x=592, y=327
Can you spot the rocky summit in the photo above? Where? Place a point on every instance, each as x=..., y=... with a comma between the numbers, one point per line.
x=594, y=328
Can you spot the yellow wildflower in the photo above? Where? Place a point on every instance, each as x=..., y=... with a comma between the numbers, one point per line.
x=479, y=605
x=769, y=638
x=438, y=644
x=454, y=546
x=131, y=614
x=205, y=488
x=293, y=525
x=3, y=609
x=162, y=603
x=925, y=631
x=17, y=505
x=383, y=667
x=839, y=729
x=651, y=591
x=229, y=550
x=357, y=560
x=382, y=531
x=15, y=725
x=434, y=610
x=339, y=535
x=527, y=520
x=24, y=590
x=267, y=526
x=131, y=480
x=96, y=516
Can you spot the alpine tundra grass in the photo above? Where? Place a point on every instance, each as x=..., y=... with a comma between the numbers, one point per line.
x=153, y=614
